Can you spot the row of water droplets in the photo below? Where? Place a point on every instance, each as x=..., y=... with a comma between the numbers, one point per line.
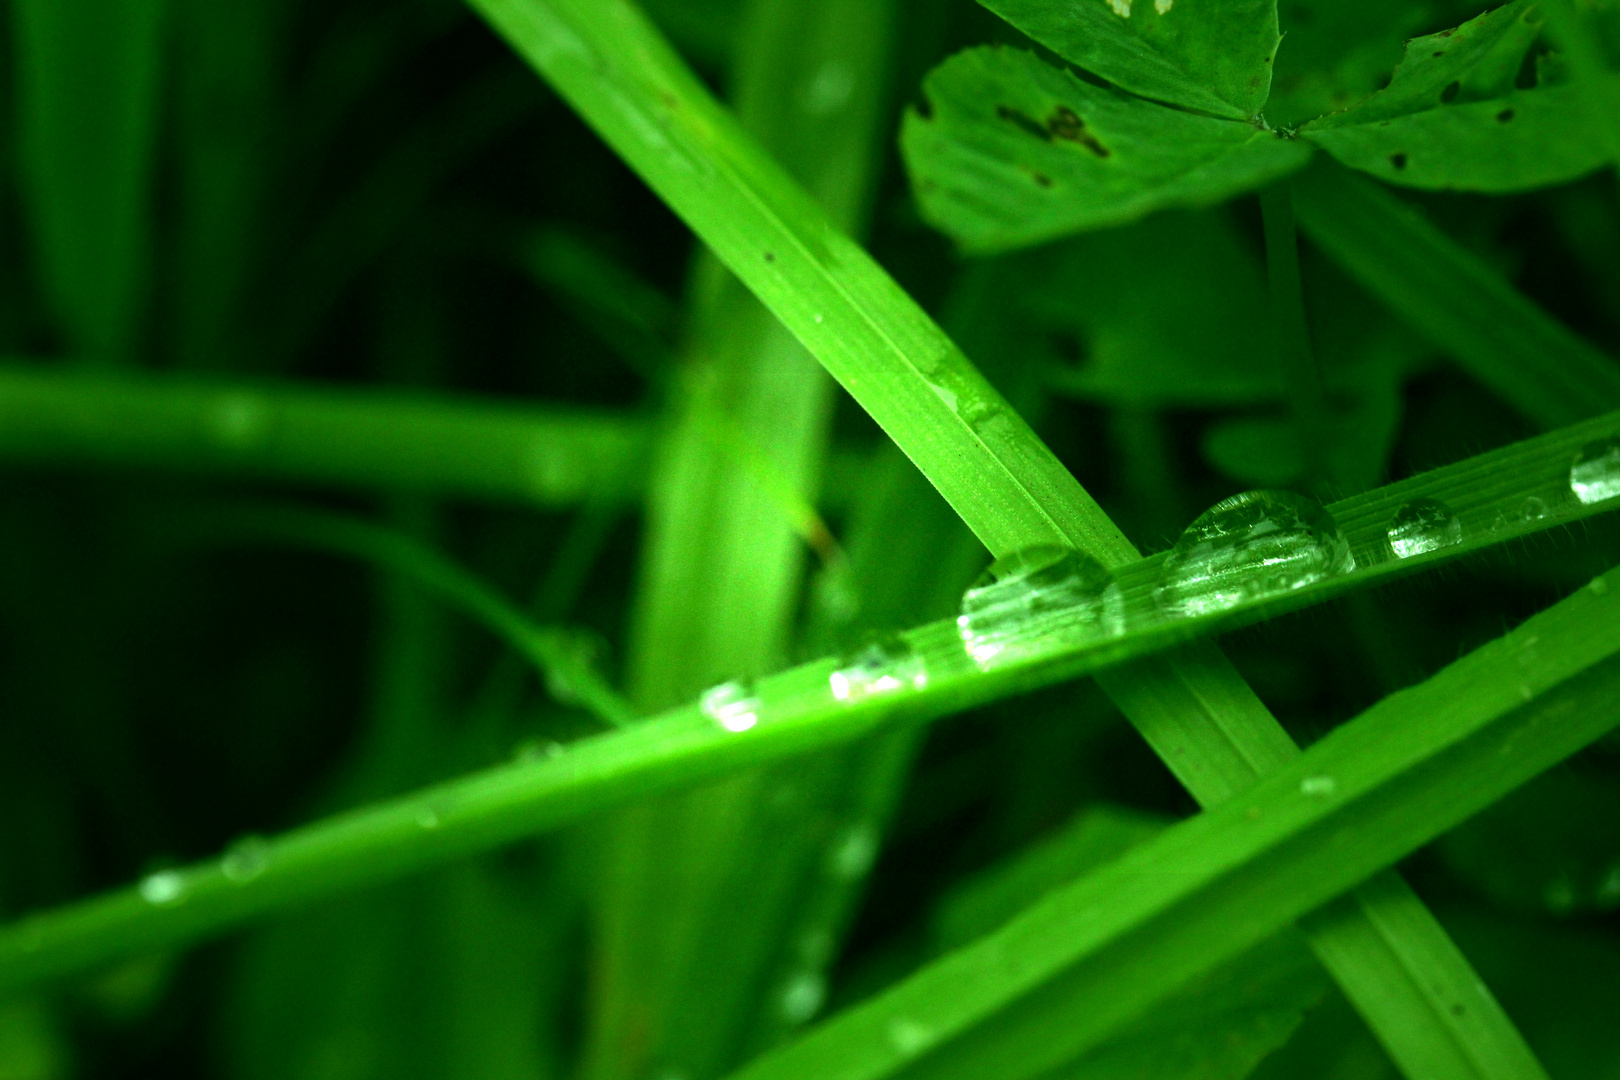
x=1248, y=548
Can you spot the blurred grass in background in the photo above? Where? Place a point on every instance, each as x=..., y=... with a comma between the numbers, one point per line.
x=344, y=244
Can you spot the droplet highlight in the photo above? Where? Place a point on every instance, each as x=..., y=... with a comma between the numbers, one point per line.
x=1038, y=600
x=854, y=853
x=1595, y=475
x=245, y=860
x=1318, y=787
x=1422, y=526
x=908, y=1037
x=884, y=666
x=1249, y=547
x=803, y=996
x=163, y=888
x=732, y=705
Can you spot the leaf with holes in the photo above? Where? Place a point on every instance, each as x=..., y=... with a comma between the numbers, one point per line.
x=1010, y=151
x=1210, y=55
x=1451, y=119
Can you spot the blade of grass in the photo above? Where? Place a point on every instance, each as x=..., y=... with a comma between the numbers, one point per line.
x=89, y=76
x=683, y=746
x=367, y=439
x=1101, y=952
x=615, y=70
x=1528, y=358
x=700, y=890
x=551, y=651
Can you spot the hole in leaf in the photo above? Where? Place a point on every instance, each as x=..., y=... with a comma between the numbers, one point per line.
x=1023, y=122
x=1065, y=123
x=1451, y=91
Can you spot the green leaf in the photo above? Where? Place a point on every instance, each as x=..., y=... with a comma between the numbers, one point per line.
x=1013, y=151
x=1211, y=55
x=1450, y=118
x=1334, y=54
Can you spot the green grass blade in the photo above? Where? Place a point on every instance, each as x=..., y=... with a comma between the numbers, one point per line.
x=1103, y=951
x=1504, y=340
x=551, y=651
x=365, y=439
x=89, y=76
x=682, y=747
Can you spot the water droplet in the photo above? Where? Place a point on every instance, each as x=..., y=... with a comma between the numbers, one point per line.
x=245, y=860
x=1318, y=787
x=888, y=664
x=852, y=856
x=829, y=90
x=239, y=421
x=1595, y=475
x=163, y=888
x=532, y=750
x=1423, y=525
x=1037, y=600
x=1608, y=892
x=908, y=1037
x=819, y=316
x=803, y=996
x=427, y=818
x=1598, y=586
x=1254, y=545
x=1532, y=509
x=732, y=705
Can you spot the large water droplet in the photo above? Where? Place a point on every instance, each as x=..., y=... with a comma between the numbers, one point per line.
x=246, y=859
x=163, y=888
x=732, y=705
x=1423, y=525
x=1037, y=600
x=854, y=852
x=1595, y=476
x=1254, y=545
x=881, y=667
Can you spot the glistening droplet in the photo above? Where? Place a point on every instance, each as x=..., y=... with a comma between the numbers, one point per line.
x=803, y=996
x=245, y=860
x=163, y=888
x=881, y=667
x=1423, y=525
x=1251, y=546
x=1595, y=475
x=732, y=705
x=1037, y=600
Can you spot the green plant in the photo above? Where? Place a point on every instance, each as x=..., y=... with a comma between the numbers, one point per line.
x=746, y=814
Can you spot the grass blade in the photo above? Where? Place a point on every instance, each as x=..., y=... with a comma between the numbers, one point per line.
x=1504, y=340
x=679, y=747
x=366, y=439
x=610, y=64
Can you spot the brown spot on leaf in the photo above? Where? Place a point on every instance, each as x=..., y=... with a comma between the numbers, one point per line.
x=1398, y=160
x=1065, y=124
x=1043, y=180
x=1504, y=116
x=770, y=256
x=1449, y=94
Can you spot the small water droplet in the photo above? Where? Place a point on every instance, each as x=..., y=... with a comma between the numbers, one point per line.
x=1598, y=586
x=245, y=860
x=732, y=705
x=1037, y=600
x=883, y=666
x=803, y=996
x=908, y=1037
x=163, y=888
x=532, y=750
x=819, y=316
x=829, y=90
x=239, y=421
x=1525, y=693
x=1532, y=509
x=1318, y=787
x=853, y=854
x=1608, y=892
x=1560, y=895
x=1595, y=475
x=427, y=818
x=1251, y=546
x=1423, y=525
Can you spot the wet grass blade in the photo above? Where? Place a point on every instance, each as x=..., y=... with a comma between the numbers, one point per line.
x=615, y=70
x=1528, y=358
x=356, y=439
x=681, y=747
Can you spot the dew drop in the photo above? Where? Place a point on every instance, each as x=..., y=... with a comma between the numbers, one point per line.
x=1608, y=892
x=1251, y=546
x=1532, y=509
x=163, y=888
x=239, y=421
x=1595, y=475
x=1423, y=525
x=1318, y=787
x=245, y=860
x=1037, y=600
x=908, y=1037
x=1560, y=895
x=852, y=856
x=882, y=667
x=803, y=996
x=732, y=705
x=427, y=818
x=1598, y=586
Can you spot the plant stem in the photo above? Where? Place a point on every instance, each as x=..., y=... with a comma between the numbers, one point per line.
x=1291, y=334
